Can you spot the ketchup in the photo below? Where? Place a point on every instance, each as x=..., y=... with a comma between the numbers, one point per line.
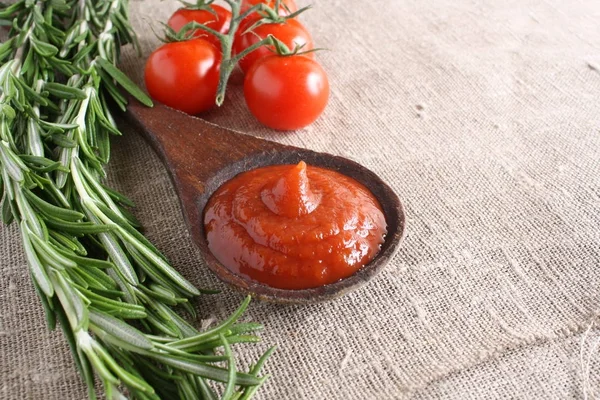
x=294, y=226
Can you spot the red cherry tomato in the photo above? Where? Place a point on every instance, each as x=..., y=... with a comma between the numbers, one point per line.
x=286, y=92
x=219, y=21
x=286, y=6
x=292, y=33
x=184, y=75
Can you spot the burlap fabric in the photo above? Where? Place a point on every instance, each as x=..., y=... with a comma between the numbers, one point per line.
x=484, y=117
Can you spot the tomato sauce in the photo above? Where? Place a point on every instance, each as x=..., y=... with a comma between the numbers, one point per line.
x=294, y=226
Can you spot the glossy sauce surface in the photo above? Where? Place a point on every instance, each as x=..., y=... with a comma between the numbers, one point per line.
x=294, y=226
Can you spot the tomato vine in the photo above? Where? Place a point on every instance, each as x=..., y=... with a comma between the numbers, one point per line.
x=229, y=60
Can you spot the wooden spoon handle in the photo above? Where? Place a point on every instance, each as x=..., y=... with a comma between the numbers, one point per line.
x=192, y=148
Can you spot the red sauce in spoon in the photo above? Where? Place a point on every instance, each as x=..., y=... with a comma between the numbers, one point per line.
x=294, y=226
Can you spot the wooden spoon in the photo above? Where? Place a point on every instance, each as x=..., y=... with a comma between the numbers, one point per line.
x=201, y=156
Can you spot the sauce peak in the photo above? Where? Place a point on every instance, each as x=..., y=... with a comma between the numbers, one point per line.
x=291, y=195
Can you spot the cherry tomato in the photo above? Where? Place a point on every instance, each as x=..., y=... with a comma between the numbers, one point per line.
x=286, y=92
x=219, y=21
x=184, y=75
x=292, y=33
x=286, y=6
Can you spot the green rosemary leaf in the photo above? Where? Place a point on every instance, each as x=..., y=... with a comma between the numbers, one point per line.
x=64, y=324
x=86, y=261
x=213, y=344
x=52, y=257
x=52, y=210
x=231, y=379
x=81, y=54
x=6, y=48
x=113, y=91
x=103, y=145
x=108, y=293
x=63, y=141
x=152, y=260
x=38, y=19
x=118, y=197
x=119, y=258
x=8, y=111
x=45, y=50
x=74, y=303
x=163, y=326
x=113, y=340
x=7, y=211
x=104, y=121
x=132, y=382
x=64, y=91
x=37, y=269
x=148, y=268
x=262, y=360
x=100, y=276
x=120, y=330
x=101, y=301
x=131, y=219
x=189, y=309
x=213, y=333
x=125, y=82
x=71, y=243
x=50, y=314
x=77, y=279
x=63, y=66
x=121, y=312
x=42, y=165
x=128, y=290
x=186, y=390
x=102, y=369
x=245, y=328
x=185, y=329
x=55, y=34
x=124, y=224
x=205, y=370
x=12, y=167
x=250, y=391
x=160, y=296
x=76, y=228
x=7, y=12
x=206, y=391
x=204, y=358
x=57, y=127
x=87, y=281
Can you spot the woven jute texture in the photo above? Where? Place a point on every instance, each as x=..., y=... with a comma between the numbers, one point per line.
x=484, y=116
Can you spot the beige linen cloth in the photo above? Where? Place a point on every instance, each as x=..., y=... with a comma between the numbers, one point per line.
x=484, y=116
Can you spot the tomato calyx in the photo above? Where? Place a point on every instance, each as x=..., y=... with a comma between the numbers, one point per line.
x=187, y=32
x=284, y=51
x=267, y=15
x=199, y=5
x=277, y=46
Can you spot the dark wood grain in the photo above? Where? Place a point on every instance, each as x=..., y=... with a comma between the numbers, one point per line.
x=201, y=156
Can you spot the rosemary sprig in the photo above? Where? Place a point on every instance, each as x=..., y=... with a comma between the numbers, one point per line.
x=113, y=293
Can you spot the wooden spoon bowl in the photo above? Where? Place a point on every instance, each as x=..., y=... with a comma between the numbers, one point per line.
x=201, y=156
